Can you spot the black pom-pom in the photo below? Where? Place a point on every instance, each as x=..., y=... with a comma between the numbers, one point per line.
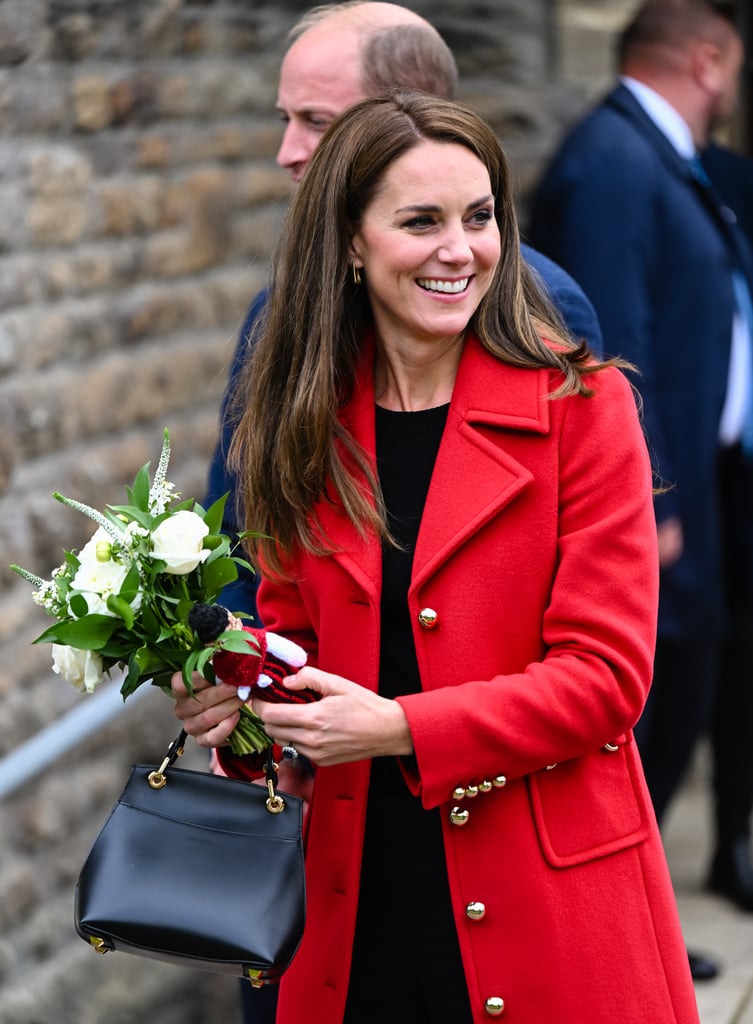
x=208, y=621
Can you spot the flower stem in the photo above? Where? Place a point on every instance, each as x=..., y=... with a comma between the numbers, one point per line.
x=248, y=737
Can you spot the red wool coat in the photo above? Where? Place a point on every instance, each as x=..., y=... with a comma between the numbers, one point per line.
x=533, y=599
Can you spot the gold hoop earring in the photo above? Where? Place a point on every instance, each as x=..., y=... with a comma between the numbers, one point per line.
x=356, y=274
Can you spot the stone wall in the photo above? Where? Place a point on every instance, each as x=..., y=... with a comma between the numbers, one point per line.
x=140, y=202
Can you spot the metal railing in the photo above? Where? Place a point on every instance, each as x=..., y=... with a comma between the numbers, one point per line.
x=37, y=753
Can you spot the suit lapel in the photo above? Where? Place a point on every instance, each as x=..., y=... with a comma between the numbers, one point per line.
x=724, y=218
x=623, y=100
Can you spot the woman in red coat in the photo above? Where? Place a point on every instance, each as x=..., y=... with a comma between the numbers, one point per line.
x=463, y=541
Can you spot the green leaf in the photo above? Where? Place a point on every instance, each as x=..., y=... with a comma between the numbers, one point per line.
x=147, y=659
x=218, y=573
x=203, y=658
x=241, y=563
x=78, y=605
x=214, y=515
x=132, y=512
x=132, y=679
x=239, y=641
x=121, y=608
x=138, y=495
x=89, y=633
x=131, y=584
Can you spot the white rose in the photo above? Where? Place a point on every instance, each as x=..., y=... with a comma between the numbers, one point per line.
x=178, y=541
x=98, y=576
x=82, y=669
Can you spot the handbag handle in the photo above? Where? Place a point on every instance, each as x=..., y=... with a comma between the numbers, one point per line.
x=157, y=779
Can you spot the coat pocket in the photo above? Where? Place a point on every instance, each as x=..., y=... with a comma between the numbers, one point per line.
x=591, y=806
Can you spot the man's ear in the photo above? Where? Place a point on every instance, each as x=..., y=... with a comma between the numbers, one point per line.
x=707, y=67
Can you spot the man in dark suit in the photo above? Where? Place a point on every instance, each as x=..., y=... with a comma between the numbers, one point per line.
x=624, y=207
x=339, y=54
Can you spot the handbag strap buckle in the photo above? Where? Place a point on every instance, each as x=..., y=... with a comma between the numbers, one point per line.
x=157, y=779
x=275, y=803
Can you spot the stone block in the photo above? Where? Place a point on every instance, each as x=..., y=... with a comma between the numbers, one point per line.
x=23, y=32
x=57, y=220
x=18, y=287
x=18, y=892
x=261, y=182
x=57, y=171
x=256, y=234
x=36, y=102
x=153, y=151
x=91, y=102
x=133, y=99
x=13, y=227
x=88, y=269
x=75, y=36
x=132, y=206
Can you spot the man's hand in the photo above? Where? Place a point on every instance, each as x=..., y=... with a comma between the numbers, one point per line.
x=669, y=536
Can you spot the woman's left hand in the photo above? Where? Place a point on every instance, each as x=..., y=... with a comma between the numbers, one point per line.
x=348, y=723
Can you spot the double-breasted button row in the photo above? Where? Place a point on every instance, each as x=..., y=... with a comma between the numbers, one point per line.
x=461, y=815
x=471, y=791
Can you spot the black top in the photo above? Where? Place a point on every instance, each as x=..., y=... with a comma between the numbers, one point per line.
x=406, y=445
x=405, y=918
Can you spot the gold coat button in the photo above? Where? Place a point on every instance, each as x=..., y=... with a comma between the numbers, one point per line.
x=499, y=781
x=475, y=910
x=471, y=791
x=459, y=816
x=495, y=1006
x=485, y=786
x=428, y=618
x=458, y=793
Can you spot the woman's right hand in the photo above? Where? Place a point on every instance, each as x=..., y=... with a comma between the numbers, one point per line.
x=209, y=714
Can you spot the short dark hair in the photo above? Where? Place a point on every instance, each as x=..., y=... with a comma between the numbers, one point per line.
x=408, y=57
x=672, y=23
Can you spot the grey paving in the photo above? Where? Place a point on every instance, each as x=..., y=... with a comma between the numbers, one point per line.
x=712, y=926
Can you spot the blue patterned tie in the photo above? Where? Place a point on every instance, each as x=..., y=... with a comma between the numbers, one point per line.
x=741, y=288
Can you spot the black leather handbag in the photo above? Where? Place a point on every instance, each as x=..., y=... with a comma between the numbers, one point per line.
x=198, y=869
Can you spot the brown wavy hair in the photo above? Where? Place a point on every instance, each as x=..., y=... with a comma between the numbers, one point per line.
x=289, y=450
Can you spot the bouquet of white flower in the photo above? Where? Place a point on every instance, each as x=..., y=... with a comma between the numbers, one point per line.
x=124, y=599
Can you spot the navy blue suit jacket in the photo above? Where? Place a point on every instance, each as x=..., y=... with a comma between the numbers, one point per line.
x=567, y=296
x=732, y=175
x=620, y=210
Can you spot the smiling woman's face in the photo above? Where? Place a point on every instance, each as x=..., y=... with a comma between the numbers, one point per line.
x=428, y=243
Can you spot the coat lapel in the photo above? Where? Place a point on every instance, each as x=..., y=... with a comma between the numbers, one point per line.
x=361, y=557
x=474, y=476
